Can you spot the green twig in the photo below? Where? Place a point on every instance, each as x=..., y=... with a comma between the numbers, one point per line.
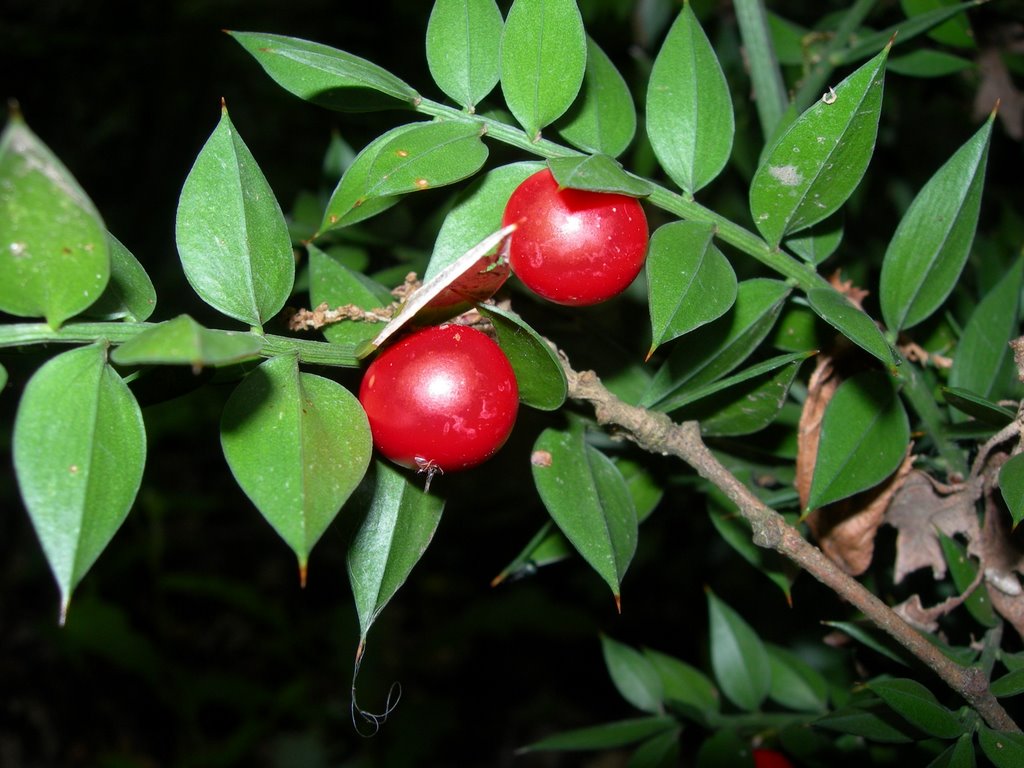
x=769, y=89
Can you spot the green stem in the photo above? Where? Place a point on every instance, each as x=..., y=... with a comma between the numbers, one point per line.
x=769, y=90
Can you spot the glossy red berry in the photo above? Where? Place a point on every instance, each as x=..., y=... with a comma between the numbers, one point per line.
x=571, y=246
x=770, y=758
x=442, y=398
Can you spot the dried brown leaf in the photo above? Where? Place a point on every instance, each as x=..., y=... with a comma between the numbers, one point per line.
x=1003, y=560
x=820, y=388
x=997, y=87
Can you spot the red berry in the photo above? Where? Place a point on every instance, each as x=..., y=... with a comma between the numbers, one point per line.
x=770, y=758
x=442, y=398
x=571, y=246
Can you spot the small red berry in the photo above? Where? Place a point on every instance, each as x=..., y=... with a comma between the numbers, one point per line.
x=573, y=246
x=443, y=398
x=770, y=758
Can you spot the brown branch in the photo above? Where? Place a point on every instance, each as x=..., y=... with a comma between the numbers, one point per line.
x=657, y=433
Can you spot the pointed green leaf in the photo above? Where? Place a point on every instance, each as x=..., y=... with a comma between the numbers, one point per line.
x=684, y=683
x=795, y=684
x=542, y=37
x=979, y=407
x=463, y=48
x=1011, y=485
x=661, y=751
x=79, y=447
x=588, y=499
x=983, y=352
x=182, y=341
x=918, y=706
x=864, y=437
x=231, y=234
x=955, y=31
x=928, y=62
x=919, y=22
x=814, y=166
x=476, y=213
x=930, y=247
x=960, y=754
x=54, y=258
x=819, y=241
x=718, y=347
x=738, y=657
x=689, y=110
x=689, y=281
x=737, y=532
x=1004, y=749
x=298, y=445
x=963, y=570
x=873, y=638
x=603, y=119
x=875, y=722
x=855, y=324
x=606, y=736
x=324, y=75
x=406, y=159
x=597, y=173
x=541, y=378
x=547, y=546
x=633, y=674
x=129, y=293
x=1010, y=684
x=332, y=283
x=725, y=747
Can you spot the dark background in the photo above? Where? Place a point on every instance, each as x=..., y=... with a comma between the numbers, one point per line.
x=190, y=642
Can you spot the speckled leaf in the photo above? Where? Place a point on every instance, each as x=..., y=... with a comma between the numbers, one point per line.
x=597, y=173
x=541, y=378
x=231, y=233
x=183, y=341
x=930, y=247
x=603, y=118
x=864, y=437
x=587, y=497
x=463, y=48
x=334, y=284
x=398, y=524
x=738, y=657
x=54, y=258
x=542, y=38
x=298, y=445
x=814, y=166
x=851, y=321
x=689, y=281
x=1011, y=485
x=129, y=293
x=689, y=110
x=79, y=448
x=1003, y=748
x=325, y=75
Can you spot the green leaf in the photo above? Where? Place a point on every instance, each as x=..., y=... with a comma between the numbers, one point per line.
x=875, y=722
x=723, y=748
x=819, y=241
x=963, y=570
x=399, y=522
x=463, y=48
x=836, y=310
x=1004, y=749
x=928, y=62
x=795, y=684
x=918, y=706
x=54, y=257
x=738, y=657
x=983, y=349
x=182, y=341
x=476, y=213
x=980, y=408
x=298, y=445
x=597, y=173
x=634, y=676
x=547, y=546
x=231, y=234
x=917, y=25
x=930, y=247
x=606, y=736
x=1010, y=684
x=737, y=532
x=324, y=75
x=542, y=38
x=683, y=683
x=960, y=754
x=718, y=347
x=815, y=165
x=409, y=158
x=3, y=378
x=602, y=120
x=864, y=437
x=1011, y=485
x=689, y=281
x=332, y=283
x=129, y=293
x=541, y=378
x=689, y=111
x=872, y=638
x=955, y=31
x=661, y=751
x=79, y=447
x=588, y=499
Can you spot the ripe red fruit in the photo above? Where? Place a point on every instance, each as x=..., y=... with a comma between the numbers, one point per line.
x=442, y=398
x=571, y=246
x=770, y=758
